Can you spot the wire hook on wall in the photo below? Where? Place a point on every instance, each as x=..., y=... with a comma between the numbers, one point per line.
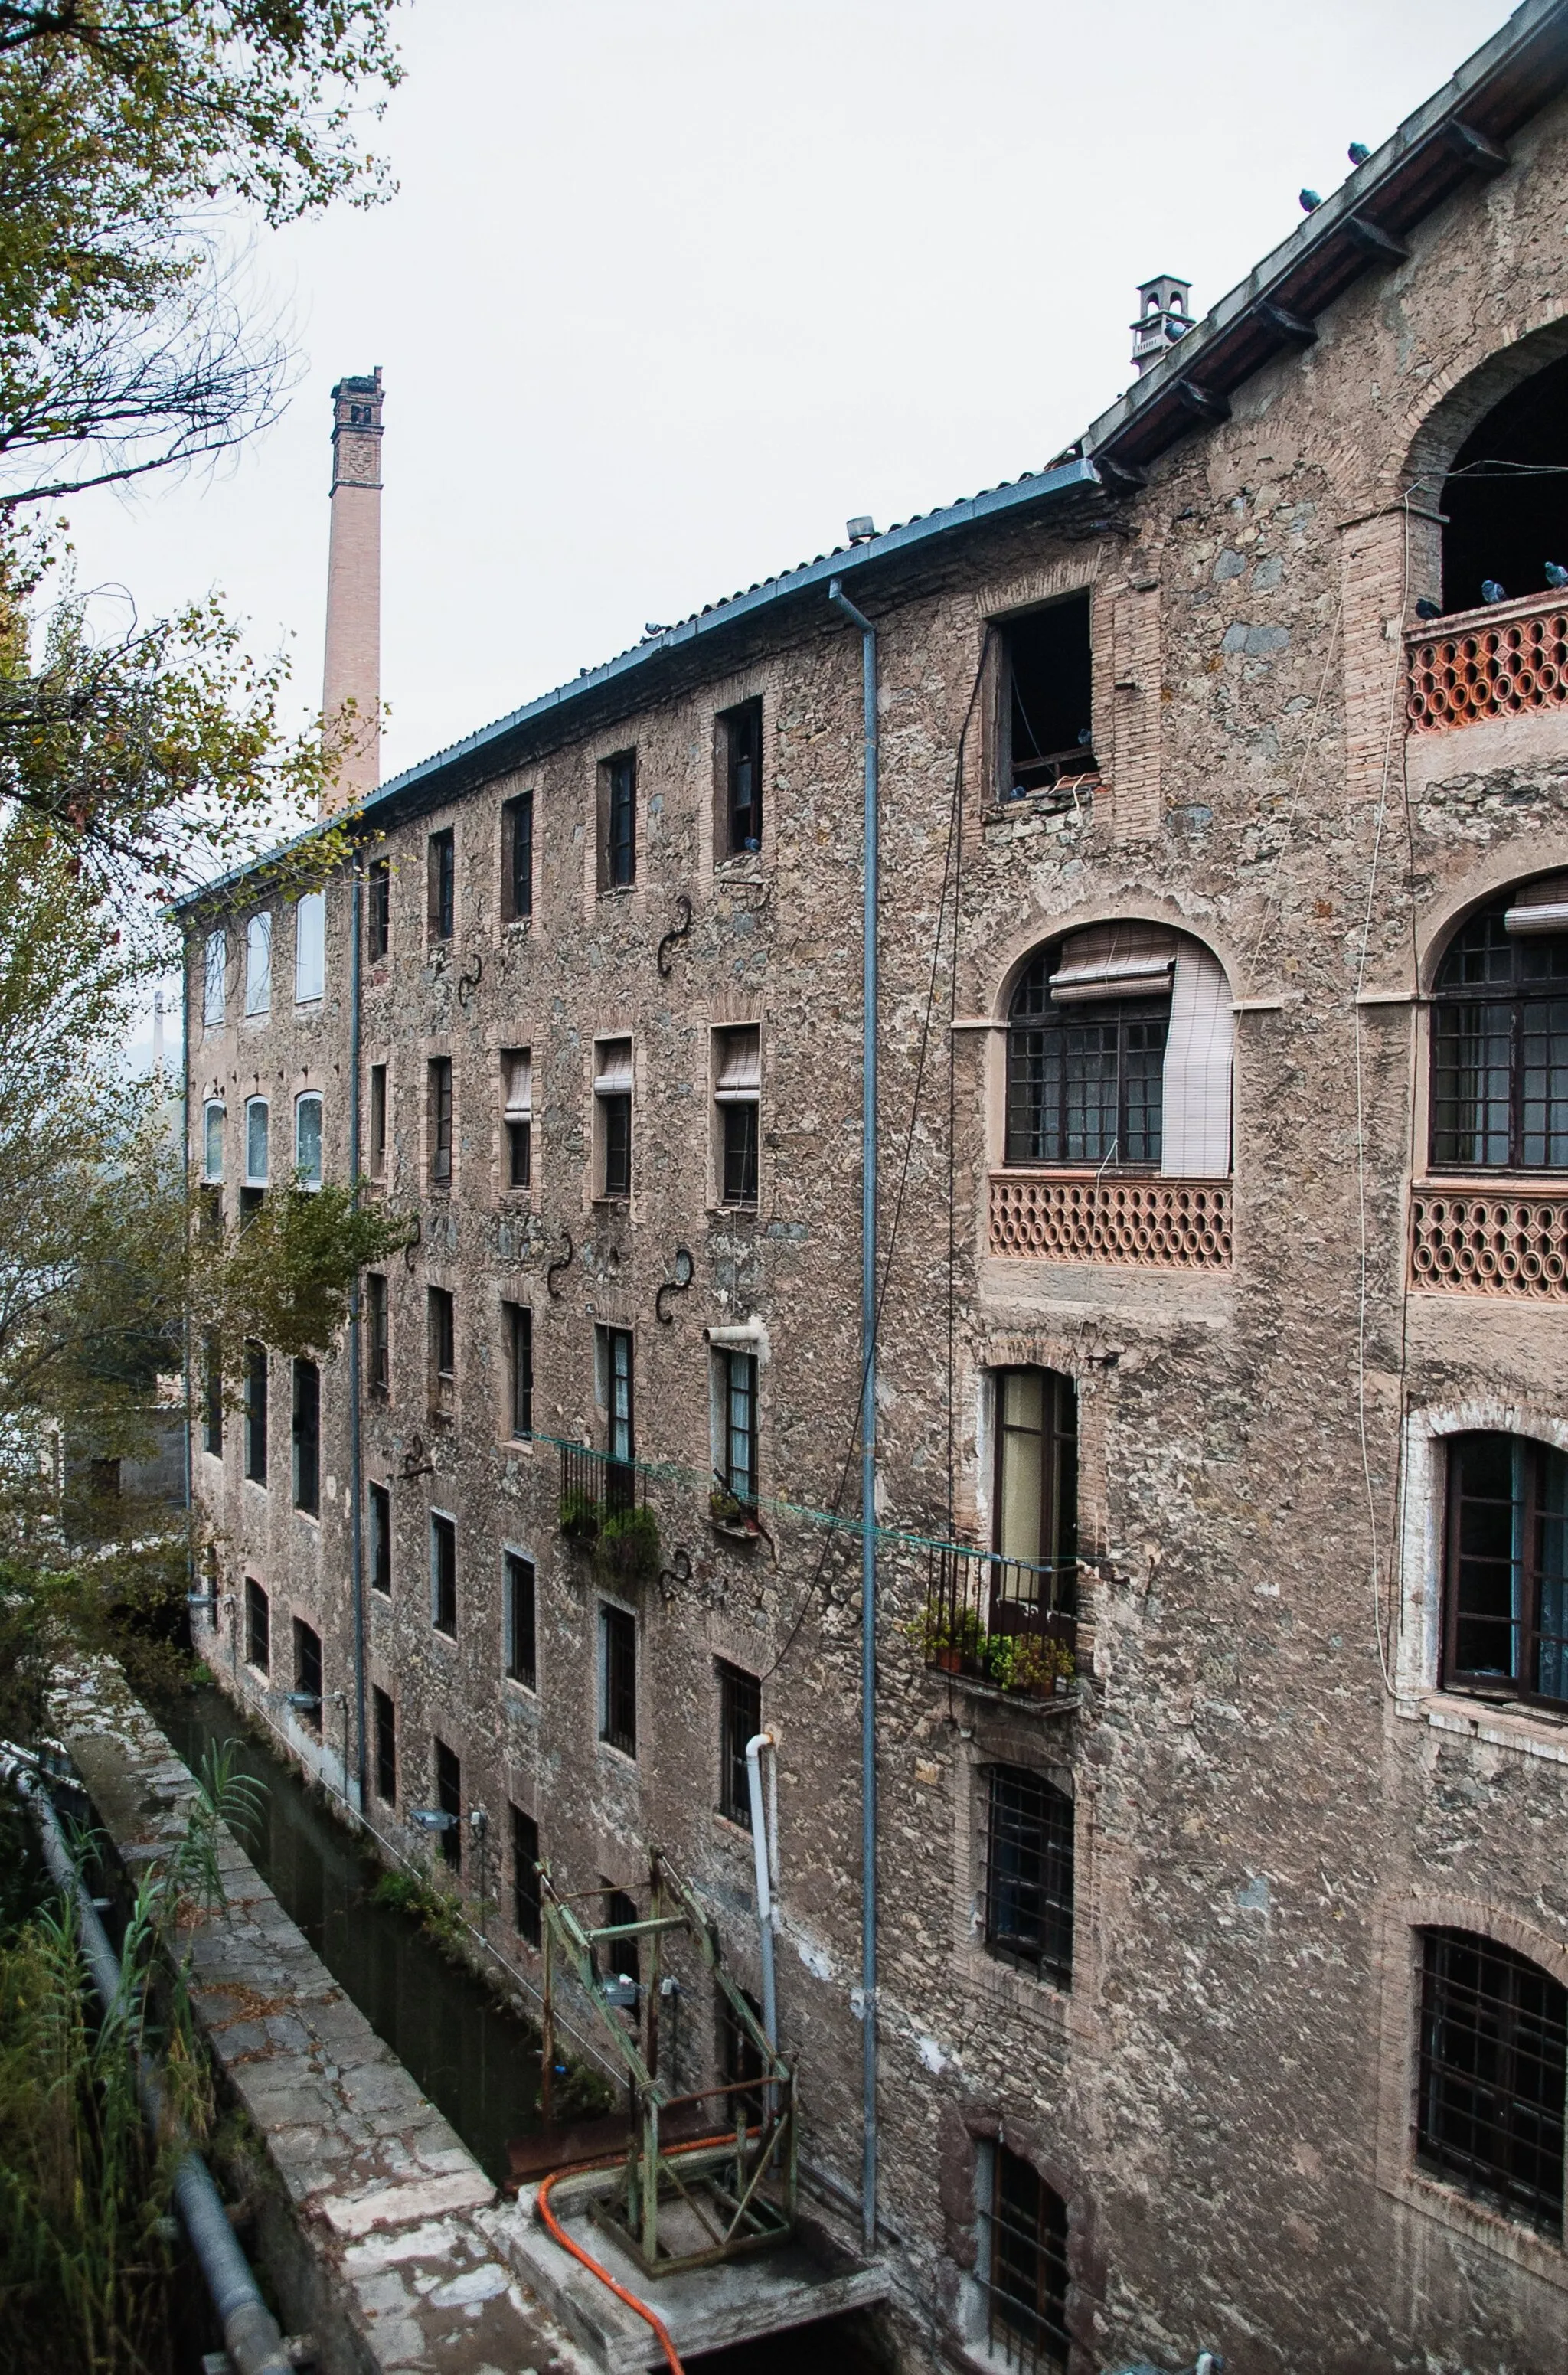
x=468, y=983
x=564, y=1263
x=672, y=939
x=685, y=1269
x=414, y=1461
x=412, y=1243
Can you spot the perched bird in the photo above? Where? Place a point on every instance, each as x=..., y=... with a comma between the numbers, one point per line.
x=1555, y=573
x=1309, y=199
x=1492, y=592
x=1427, y=609
x=1358, y=152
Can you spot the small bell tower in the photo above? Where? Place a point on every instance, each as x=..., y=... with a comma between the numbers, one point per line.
x=1163, y=318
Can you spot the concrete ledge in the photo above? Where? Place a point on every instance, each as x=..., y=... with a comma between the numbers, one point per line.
x=391, y=2254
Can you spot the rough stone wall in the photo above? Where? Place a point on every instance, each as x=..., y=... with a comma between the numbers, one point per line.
x=1263, y=1816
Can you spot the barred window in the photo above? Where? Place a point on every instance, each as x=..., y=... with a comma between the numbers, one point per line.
x=1493, y=2071
x=1505, y=1584
x=1024, y=2266
x=1500, y=1037
x=526, y=1908
x=740, y=1720
x=1083, y=1082
x=618, y=1678
x=1029, y=1874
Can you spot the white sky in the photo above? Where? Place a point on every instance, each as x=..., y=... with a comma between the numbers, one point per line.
x=668, y=291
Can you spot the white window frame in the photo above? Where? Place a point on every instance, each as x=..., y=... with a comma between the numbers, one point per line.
x=215, y=980
x=212, y=1105
x=309, y=948
x=258, y=964
x=259, y=1178
x=307, y=1097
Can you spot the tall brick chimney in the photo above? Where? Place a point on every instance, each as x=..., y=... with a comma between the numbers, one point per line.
x=353, y=593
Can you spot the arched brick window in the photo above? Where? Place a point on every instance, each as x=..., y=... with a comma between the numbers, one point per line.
x=1500, y=1037
x=1492, y=2074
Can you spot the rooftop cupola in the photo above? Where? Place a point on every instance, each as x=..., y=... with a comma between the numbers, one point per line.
x=1163, y=318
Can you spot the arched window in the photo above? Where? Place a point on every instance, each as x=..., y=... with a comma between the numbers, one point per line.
x=212, y=1138
x=1493, y=2075
x=307, y=1140
x=1506, y=1583
x=255, y=1142
x=1119, y=1041
x=1506, y=496
x=1500, y=1037
x=259, y=964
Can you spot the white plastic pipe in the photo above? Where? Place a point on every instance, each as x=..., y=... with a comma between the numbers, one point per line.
x=754, y=1748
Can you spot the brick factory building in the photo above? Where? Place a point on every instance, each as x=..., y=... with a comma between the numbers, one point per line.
x=1220, y=1133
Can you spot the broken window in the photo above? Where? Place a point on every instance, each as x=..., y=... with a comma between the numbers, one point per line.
x=1506, y=496
x=517, y=859
x=741, y=733
x=737, y=1089
x=618, y=1678
x=517, y=1115
x=1023, y=2265
x=619, y=799
x=378, y=909
x=440, y=1120
x=258, y=1626
x=741, y=1719
x=386, y=1746
x=309, y=948
x=449, y=1800
x=519, y=1620
x=1029, y=1872
x=307, y=1673
x=1500, y=1037
x=255, y=1413
x=444, y=1574
x=526, y=1908
x=1492, y=2069
x=1505, y=1615
x=440, y=862
x=381, y=1539
x=307, y=1437
x=1045, y=735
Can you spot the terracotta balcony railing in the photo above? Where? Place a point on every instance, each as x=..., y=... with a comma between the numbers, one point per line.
x=1507, y=1239
x=1084, y=1216
x=1508, y=661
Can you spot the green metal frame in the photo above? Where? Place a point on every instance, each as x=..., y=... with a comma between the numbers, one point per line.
x=739, y=2186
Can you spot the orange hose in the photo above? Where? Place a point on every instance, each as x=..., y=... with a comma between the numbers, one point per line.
x=593, y=2265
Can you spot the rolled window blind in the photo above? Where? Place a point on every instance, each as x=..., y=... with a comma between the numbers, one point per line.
x=519, y=1086
x=740, y=1066
x=614, y=1077
x=1195, y=1144
x=1114, y=961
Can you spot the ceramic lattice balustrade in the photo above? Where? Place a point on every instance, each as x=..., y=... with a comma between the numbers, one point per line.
x=1148, y=1223
x=1500, y=1241
x=1509, y=661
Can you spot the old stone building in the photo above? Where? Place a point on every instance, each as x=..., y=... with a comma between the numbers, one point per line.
x=1219, y=1693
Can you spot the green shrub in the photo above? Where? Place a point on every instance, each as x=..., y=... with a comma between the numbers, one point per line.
x=628, y=1551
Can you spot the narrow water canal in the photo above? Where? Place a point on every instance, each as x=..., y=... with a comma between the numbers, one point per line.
x=475, y=2061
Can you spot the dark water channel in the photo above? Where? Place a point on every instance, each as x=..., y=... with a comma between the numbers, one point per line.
x=476, y=2064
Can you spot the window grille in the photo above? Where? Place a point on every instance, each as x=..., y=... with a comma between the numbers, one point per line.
x=258, y=965
x=307, y=1437
x=378, y=909
x=517, y=859
x=309, y=948
x=307, y=1140
x=617, y=1680
x=444, y=1574
x=441, y=868
x=258, y=1626
x=1499, y=1039
x=381, y=1539
x=1024, y=2256
x=307, y=1671
x=1505, y=1630
x=1493, y=2071
x=449, y=1800
x=255, y=1413
x=521, y=1652
x=215, y=979
x=526, y=1915
x=620, y=840
x=386, y=1746
x=1029, y=1874
x=741, y=1719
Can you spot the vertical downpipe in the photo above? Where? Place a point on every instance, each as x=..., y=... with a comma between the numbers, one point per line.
x=188, y=1474
x=356, y=1481
x=869, y=1152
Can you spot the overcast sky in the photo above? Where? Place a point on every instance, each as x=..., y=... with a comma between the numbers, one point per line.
x=669, y=291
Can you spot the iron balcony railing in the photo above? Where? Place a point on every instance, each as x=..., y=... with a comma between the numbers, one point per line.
x=1011, y=1622
x=594, y=1488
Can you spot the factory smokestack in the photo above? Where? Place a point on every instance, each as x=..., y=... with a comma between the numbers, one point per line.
x=351, y=685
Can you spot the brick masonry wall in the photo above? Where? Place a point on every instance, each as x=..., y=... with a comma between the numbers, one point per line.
x=1223, y=2095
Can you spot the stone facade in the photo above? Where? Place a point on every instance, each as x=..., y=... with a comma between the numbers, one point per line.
x=1271, y=1797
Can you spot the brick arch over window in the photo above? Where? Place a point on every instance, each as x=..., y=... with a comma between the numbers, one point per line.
x=1453, y=404
x=1119, y=1054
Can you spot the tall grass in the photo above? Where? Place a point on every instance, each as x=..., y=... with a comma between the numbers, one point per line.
x=89, y=2278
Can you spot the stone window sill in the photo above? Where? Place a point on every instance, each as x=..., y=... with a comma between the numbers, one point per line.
x=1531, y=1731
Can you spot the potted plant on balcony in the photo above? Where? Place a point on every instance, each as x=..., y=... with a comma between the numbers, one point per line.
x=580, y=1518
x=1032, y=1662
x=626, y=1551
x=948, y=1639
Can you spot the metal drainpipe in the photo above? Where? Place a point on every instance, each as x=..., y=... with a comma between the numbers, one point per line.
x=188, y=1478
x=868, y=1150
x=250, y=2336
x=761, y=1850
x=356, y=1484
